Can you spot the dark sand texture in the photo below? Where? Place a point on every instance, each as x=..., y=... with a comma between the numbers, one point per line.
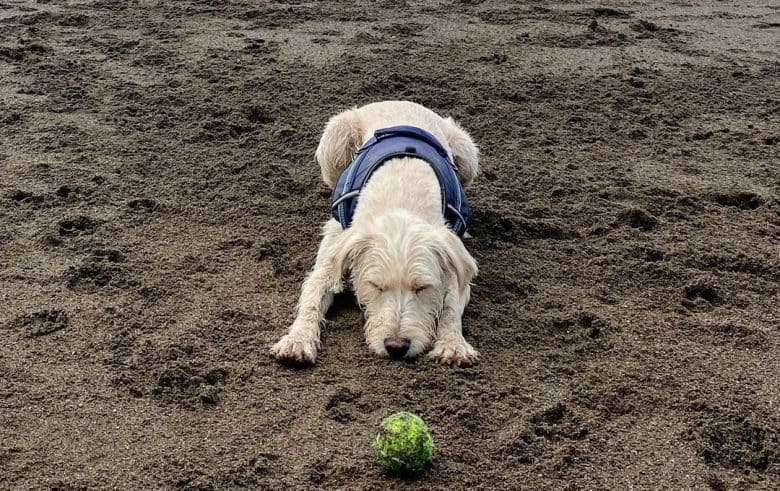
x=159, y=207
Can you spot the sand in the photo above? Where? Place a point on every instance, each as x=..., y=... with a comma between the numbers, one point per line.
x=159, y=208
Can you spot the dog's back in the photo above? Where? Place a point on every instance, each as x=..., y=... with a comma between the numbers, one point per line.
x=346, y=132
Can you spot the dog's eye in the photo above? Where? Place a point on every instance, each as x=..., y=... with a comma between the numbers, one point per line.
x=374, y=285
x=420, y=289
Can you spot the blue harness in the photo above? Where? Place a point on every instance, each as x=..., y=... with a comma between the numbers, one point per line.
x=394, y=142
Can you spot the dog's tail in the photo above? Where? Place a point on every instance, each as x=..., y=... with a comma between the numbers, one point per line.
x=464, y=151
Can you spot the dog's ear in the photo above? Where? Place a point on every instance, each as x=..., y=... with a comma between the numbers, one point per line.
x=455, y=258
x=464, y=152
x=352, y=244
x=340, y=140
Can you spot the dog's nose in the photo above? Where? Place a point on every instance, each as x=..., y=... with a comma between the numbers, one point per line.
x=397, y=347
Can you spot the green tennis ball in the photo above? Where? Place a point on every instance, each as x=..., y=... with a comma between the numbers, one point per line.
x=404, y=444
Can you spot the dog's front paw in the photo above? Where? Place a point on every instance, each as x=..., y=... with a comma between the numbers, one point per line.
x=294, y=348
x=455, y=353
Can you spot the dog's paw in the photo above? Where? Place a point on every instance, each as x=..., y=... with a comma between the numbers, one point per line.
x=455, y=353
x=296, y=349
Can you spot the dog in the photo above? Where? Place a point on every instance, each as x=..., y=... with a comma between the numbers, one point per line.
x=393, y=234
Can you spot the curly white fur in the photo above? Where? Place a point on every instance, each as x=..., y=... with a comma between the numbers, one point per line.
x=410, y=273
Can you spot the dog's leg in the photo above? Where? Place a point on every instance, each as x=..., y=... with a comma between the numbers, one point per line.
x=451, y=348
x=302, y=340
x=338, y=144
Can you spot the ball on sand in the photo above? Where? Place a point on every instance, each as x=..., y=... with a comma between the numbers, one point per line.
x=404, y=444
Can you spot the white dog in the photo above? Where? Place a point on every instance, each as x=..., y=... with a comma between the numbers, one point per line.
x=409, y=270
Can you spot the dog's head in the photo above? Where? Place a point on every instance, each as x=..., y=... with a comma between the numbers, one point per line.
x=402, y=269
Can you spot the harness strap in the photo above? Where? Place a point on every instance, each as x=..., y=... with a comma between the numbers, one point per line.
x=395, y=142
